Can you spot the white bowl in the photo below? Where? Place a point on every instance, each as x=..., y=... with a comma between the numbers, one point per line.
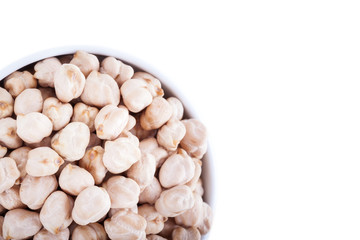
x=208, y=165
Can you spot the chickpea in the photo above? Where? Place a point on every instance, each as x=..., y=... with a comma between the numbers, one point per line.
x=86, y=114
x=170, y=134
x=69, y=82
x=150, y=145
x=43, y=161
x=59, y=113
x=111, y=121
x=71, y=141
x=119, y=156
x=20, y=224
x=178, y=169
x=193, y=216
x=113, y=211
x=124, y=192
x=207, y=218
x=156, y=114
x=93, y=163
x=45, y=71
x=135, y=95
x=195, y=140
x=17, y=82
x=10, y=198
x=3, y=151
x=55, y=215
x=153, y=84
x=143, y=171
x=117, y=70
x=91, y=205
x=197, y=173
x=92, y=231
x=86, y=62
x=6, y=103
x=33, y=127
x=47, y=92
x=128, y=137
x=8, y=136
x=125, y=224
x=45, y=235
x=175, y=201
x=155, y=221
x=141, y=133
x=73, y=179
x=169, y=226
x=199, y=188
x=94, y=141
x=130, y=124
x=180, y=233
x=151, y=193
x=154, y=237
x=35, y=190
x=100, y=90
x=177, y=108
x=20, y=155
x=8, y=173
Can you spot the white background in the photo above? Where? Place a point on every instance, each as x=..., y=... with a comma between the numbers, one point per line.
x=277, y=83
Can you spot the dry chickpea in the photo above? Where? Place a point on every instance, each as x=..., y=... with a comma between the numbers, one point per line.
x=17, y=82
x=125, y=224
x=124, y=192
x=191, y=233
x=197, y=173
x=94, y=141
x=130, y=124
x=113, y=211
x=8, y=136
x=207, y=218
x=92, y=231
x=195, y=140
x=43, y=161
x=170, y=134
x=155, y=221
x=33, y=127
x=119, y=156
x=91, y=205
x=150, y=145
x=20, y=155
x=29, y=100
x=69, y=82
x=20, y=224
x=10, y=198
x=151, y=193
x=153, y=84
x=59, y=113
x=100, y=90
x=45, y=71
x=86, y=62
x=47, y=92
x=117, y=70
x=154, y=237
x=8, y=173
x=3, y=151
x=93, y=163
x=35, y=190
x=71, y=141
x=193, y=216
x=135, y=95
x=175, y=201
x=45, y=235
x=128, y=137
x=73, y=179
x=55, y=215
x=177, y=108
x=143, y=171
x=6, y=103
x=156, y=114
x=111, y=121
x=141, y=133
x=86, y=114
x=178, y=169
x=169, y=226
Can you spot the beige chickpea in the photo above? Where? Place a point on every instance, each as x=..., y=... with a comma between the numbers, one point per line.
x=125, y=224
x=69, y=82
x=59, y=113
x=130, y=124
x=93, y=163
x=73, y=179
x=20, y=224
x=91, y=205
x=45, y=235
x=20, y=155
x=17, y=82
x=197, y=173
x=170, y=134
x=154, y=237
x=195, y=140
x=45, y=71
x=169, y=226
x=141, y=133
x=113, y=211
x=156, y=114
x=86, y=62
x=10, y=198
x=135, y=95
x=175, y=201
x=55, y=215
x=8, y=173
x=177, y=108
x=193, y=216
x=3, y=151
x=111, y=121
x=35, y=190
x=6, y=103
x=116, y=69
x=94, y=141
x=8, y=136
x=71, y=141
x=33, y=127
x=124, y=192
x=155, y=221
x=143, y=171
x=150, y=145
x=126, y=136
x=100, y=90
x=153, y=84
x=178, y=169
x=119, y=156
x=47, y=92
x=92, y=231
x=151, y=193
x=43, y=161
x=207, y=218
x=191, y=233
x=86, y=114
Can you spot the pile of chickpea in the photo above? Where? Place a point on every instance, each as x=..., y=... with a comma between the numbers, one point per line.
x=92, y=150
